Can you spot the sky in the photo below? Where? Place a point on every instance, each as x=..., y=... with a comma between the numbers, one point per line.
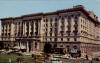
x=14, y=8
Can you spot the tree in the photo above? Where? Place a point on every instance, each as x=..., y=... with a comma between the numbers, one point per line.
x=1, y=45
x=48, y=48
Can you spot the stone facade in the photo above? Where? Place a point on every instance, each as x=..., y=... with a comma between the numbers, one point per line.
x=68, y=28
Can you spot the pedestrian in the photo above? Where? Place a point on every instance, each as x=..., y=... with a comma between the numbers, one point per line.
x=19, y=59
x=91, y=61
x=87, y=57
x=9, y=60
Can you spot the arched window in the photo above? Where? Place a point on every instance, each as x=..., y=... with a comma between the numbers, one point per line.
x=61, y=45
x=55, y=45
x=75, y=47
x=68, y=48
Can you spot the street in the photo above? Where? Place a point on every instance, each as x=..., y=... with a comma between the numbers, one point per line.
x=78, y=61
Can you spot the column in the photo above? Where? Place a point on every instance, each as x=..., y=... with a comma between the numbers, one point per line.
x=34, y=27
x=23, y=28
x=27, y=47
x=39, y=27
x=29, y=27
x=20, y=44
x=32, y=46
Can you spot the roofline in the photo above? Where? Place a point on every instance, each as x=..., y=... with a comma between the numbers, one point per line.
x=35, y=14
x=10, y=18
x=53, y=13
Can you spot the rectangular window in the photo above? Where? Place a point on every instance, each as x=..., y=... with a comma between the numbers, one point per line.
x=68, y=39
x=75, y=39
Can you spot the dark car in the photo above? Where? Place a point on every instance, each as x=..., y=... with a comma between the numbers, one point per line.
x=96, y=59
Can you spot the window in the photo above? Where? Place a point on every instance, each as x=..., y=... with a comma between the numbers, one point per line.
x=46, y=34
x=46, y=25
x=55, y=33
x=35, y=45
x=46, y=39
x=50, y=39
x=55, y=39
x=75, y=33
x=56, y=25
x=55, y=45
x=62, y=18
x=31, y=33
x=75, y=47
x=75, y=39
x=51, y=19
x=61, y=39
x=50, y=34
x=75, y=21
x=50, y=29
x=69, y=17
x=36, y=33
x=46, y=29
x=55, y=19
x=19, y=23
x=51, y=24
x=46, y=20
x=76, y=17
x=61, y=45
x=68, y=48
x=68, y=39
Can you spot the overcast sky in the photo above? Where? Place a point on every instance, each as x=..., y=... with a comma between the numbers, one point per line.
x=13, y=8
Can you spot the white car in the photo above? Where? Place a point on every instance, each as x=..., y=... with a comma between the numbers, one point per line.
x=65, y=56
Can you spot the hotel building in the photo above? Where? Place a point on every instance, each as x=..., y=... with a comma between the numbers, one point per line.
x=69, y=28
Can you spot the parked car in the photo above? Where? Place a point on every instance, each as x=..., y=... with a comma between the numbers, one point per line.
x=15, y=52
x=65, y=56
x=2, y=51
x=96, y=59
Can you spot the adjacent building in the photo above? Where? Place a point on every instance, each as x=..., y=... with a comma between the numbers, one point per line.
x=69, y=28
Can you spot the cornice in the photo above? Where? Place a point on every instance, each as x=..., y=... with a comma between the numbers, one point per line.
x=55, y=13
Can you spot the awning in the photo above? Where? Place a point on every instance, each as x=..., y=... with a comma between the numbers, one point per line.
x=17, y=47
x=60, y=47
x=22, y=47
x=37, y=54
